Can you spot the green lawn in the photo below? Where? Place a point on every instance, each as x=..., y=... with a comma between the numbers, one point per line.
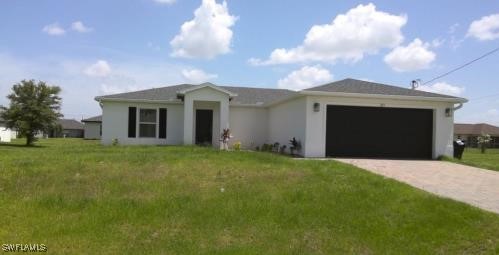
x=473, y=157
x=79, y=197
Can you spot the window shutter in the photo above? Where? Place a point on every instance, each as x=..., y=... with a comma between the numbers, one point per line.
x=162, y=123
x=132, y=122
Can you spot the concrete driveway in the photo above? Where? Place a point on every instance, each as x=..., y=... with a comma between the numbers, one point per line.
x=475, y=186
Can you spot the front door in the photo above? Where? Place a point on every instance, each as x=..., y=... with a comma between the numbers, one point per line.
x=204, y=127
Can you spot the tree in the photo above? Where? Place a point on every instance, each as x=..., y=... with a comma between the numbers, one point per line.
x=483, y=141
x=34, y=107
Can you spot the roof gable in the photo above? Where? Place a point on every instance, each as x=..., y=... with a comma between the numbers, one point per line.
x=206, y=85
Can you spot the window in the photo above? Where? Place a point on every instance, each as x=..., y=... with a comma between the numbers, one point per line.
x=147, y=123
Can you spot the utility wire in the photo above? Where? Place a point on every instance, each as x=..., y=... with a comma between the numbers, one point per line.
x=463, y=66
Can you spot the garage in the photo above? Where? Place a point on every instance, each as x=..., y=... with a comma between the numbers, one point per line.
x=379, y=132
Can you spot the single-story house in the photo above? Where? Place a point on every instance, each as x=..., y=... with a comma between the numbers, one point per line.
x=93, y=127
x=6, y=134
x=346, y=118
x=68, y=128
x=469, y=133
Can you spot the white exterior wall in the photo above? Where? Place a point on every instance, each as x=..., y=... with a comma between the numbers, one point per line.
x=92, y=130
x=249, y=125
x=5, y=134
x=287, y=120
x=205, y=98
x=115, y=123
x=315, y=146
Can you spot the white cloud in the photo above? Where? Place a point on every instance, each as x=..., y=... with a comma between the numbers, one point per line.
x=54, y=29
x=362, y=30
x=306, y=77
x=197, y=75
x=207, y=35
x=165, y=1
x=78, y=26
x=486, y=28
x=99, y=69
x=415, y=56
x=79, y=89
x=443, y=88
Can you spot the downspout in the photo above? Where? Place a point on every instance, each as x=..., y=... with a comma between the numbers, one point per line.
x=459, y=106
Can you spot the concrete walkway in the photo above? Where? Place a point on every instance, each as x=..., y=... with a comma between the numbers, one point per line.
x=475, y=186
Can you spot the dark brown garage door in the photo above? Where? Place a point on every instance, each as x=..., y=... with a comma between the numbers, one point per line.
x=379, y=132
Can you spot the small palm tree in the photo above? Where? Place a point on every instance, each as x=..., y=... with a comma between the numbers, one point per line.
x=483, y=141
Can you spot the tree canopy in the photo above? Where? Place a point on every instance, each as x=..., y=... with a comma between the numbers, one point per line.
x=34, y=108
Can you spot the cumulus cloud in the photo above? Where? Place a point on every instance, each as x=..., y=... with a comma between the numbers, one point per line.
x=78, y=26
x=207, y=35
x=306, y=77
x=443, y=88
x=54, y=29
x=197, y=75
x=99, y=69
x=486, y=28
x=165, y=1
x=362, y=30
x=415, y=56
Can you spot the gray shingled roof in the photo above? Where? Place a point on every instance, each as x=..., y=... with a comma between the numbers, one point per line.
x=69, y=124
x=93, y=119
x=366, y=87
x=245, y=95
x=262, y=96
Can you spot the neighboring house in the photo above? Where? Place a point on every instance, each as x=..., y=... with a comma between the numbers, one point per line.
x=93, y=127
x=6, y=134
x=347, y=118
x=469, y=133
x=68, y=128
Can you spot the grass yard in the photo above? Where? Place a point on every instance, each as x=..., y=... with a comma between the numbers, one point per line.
x=78, y=197
x=473, y=157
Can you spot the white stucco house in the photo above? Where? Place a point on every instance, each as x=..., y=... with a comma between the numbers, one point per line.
x=347, y=118
x=92, y=127
x=6, y=134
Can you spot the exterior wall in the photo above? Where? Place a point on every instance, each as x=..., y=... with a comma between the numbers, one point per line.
x=115, y=123
x=315, y=145
x=72, y=133
x=249, y=125
x=92, y=130
x=287, y=120
x=205, y=97
x=5, y=134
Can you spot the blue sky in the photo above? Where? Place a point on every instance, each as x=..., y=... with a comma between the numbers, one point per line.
x=90, y=48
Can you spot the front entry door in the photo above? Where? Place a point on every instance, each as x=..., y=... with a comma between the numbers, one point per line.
x=204, y=127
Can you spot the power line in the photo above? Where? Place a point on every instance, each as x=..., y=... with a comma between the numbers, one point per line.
x=463, y=66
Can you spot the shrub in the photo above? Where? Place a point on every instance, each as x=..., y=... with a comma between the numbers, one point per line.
x=237, y=146
x=282, y=150
x=483, y=141
x=115, y=142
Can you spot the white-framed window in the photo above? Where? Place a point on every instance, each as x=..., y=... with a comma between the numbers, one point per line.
x=147, y=122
